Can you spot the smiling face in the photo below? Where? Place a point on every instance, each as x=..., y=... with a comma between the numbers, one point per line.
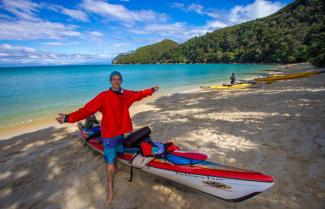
x=116, y=82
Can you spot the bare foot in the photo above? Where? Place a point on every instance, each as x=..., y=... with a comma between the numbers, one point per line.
x=109, y=198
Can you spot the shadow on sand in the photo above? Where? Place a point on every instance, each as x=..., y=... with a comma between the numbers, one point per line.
x=276, y=132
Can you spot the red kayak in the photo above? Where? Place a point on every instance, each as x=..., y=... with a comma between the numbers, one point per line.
x=191, y=169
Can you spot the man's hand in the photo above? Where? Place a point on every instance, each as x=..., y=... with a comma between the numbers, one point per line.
x=156, y=88
x=61, y=117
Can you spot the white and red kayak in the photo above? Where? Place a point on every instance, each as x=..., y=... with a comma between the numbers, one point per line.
x=193, y=170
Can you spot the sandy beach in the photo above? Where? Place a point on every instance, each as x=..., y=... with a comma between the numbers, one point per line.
x=277, y=129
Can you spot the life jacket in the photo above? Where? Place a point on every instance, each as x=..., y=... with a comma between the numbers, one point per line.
x=146, y=149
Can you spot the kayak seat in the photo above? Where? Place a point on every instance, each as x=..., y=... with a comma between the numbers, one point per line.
x=185, y=158
x=191, y=155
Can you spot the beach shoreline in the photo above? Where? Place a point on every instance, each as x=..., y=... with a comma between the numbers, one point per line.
x=49, y=120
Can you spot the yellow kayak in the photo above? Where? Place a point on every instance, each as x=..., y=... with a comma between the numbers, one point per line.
x=223, y=87
x=287, y=76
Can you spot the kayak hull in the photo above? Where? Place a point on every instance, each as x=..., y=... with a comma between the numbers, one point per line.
x=287, y=76
x=227, y=189
x=229, y=87
x=227, y=183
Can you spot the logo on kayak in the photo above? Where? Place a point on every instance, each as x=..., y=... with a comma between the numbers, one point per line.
x=217, y=185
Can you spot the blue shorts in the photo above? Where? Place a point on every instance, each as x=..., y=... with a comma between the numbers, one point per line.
x=113, y=147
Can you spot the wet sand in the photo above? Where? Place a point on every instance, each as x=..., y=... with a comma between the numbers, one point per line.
x=277, y=129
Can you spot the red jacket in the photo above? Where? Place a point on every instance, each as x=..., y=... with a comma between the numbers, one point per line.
x=114, y=108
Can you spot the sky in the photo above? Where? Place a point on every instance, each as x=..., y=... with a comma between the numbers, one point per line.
x=65, y=32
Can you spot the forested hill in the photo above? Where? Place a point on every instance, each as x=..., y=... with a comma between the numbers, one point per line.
x=296, y=33
x=146, y=54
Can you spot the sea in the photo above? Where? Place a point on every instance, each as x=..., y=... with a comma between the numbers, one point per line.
x=31, y=93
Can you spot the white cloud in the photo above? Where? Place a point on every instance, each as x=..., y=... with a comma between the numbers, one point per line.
x=26, y=10
x=27, y=25
x=238, y=14
x=123, y=44
x=208, y=27
x=179, y=31
x=75, y=14
x=10, y=48
x=20, y=55
x=23, y=9
x=3, y=16
x=94, y=35
x=53, y=44
x=177, y=5
x=198, y=8
x=163, y=29
x=257, y=9
x=121, y=13
x=215, y=24
x=29, y=30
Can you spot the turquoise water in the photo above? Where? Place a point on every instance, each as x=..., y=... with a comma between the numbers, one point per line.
x=29, y=93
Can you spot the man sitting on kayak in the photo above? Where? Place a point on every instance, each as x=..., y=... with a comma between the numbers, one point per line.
x=232, y=79
x=116, y=121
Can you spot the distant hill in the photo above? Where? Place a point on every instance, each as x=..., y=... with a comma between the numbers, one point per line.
x=296, y=33
x=146, y=54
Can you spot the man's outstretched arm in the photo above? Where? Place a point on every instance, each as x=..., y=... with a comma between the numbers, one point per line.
x=138, y=95
x=90, y=108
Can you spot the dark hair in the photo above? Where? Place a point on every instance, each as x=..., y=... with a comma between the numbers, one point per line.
x=114, y=73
